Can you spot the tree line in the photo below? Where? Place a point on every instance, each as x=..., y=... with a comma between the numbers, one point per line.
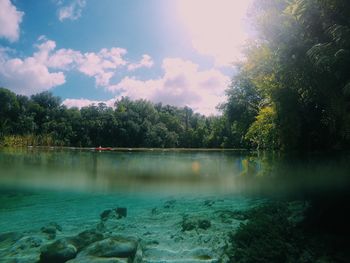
x=42, y=120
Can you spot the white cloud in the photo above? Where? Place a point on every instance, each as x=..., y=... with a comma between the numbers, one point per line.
x=71, y=11
x=182, y=84
x=28, y=76
x=45, y=68
x=10, y=18
x=64, y=59
x=102, y=65
x=145, y=62
x=216, y=27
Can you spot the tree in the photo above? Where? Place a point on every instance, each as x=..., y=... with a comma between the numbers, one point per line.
x=9, y=110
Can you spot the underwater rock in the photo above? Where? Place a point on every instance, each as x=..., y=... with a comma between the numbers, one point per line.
x=86, y=238
x=154, y=211
x=51, y=229
x=101, y=227
x=116, y=213
x=189, y=224
x=110, y=219
x=9, y=238
x=169, y=204
x=24, y=250
x=105, y=214
x=25, y=258
x=58, y=252
x=204, y=224
x=121, y=212
x=113, y=247
x=26, y=243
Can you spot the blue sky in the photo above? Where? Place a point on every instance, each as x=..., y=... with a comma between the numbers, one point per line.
x=171, y=51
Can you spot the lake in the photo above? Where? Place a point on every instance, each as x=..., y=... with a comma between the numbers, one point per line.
x=165, y=205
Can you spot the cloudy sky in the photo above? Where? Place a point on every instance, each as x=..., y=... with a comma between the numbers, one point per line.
x=177, y=52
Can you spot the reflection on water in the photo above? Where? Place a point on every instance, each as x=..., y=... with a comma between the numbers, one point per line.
x=172, y=171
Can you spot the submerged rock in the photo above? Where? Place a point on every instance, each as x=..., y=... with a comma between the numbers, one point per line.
x=9, y=238
x=105, y=214
x=169, y=204
x=86, y=238
x=67, y=248
x=204, y=224
x=26, y=243
x=51, y=229
x=110, y=219
x=113, y=247
x=189, y=224
x=121, y=212
x=154, y=211
x=116, y=213
x=58, y=252
x=15, y=247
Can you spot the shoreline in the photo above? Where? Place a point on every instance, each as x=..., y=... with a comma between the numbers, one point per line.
x=132, y=149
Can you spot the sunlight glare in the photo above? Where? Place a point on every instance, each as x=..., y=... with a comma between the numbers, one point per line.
x=216, y=27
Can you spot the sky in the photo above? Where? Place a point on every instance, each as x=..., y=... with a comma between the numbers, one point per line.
x=178, y=52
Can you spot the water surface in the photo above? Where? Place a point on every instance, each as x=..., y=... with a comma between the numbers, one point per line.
x=214, y=172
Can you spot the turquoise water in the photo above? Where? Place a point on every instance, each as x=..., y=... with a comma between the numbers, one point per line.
x=161, y=191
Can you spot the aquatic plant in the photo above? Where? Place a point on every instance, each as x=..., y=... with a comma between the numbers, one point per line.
x=274, y=233
x=268, y=236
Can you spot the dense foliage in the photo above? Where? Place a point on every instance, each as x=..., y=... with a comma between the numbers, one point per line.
x=292, y=90
x=43, y=120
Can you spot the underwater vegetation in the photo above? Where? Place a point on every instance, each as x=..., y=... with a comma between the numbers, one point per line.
x=283, y=232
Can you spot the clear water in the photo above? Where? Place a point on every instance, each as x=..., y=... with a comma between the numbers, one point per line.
x=158, y=188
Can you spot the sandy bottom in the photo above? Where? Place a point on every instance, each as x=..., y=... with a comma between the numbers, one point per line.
x=167, y=227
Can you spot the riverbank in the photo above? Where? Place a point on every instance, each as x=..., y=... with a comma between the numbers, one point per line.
x=123, y=149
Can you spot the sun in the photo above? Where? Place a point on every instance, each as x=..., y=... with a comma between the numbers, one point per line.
x=216, y=27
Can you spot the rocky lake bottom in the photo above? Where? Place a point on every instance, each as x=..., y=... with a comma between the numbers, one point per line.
x=56, y=227
x=47, y=227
